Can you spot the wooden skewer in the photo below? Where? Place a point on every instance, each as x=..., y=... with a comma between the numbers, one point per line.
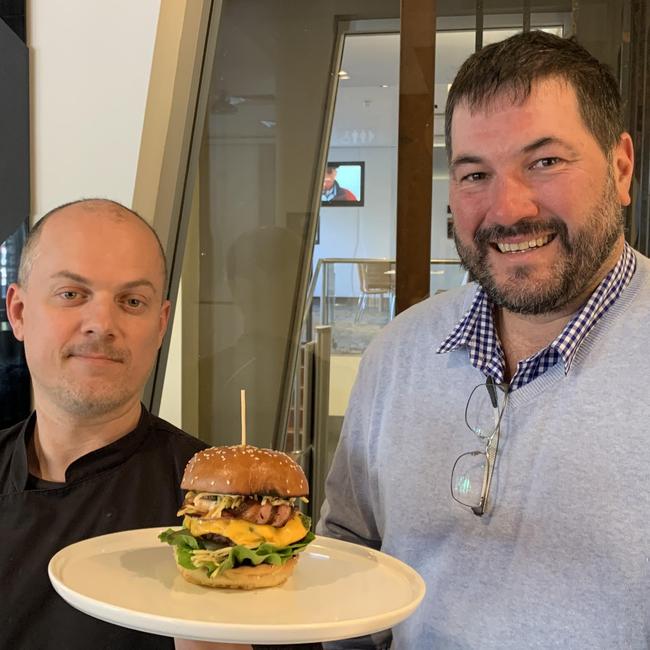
x=243, y=416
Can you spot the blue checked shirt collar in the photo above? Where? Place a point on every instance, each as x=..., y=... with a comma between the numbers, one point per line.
x=477, y=333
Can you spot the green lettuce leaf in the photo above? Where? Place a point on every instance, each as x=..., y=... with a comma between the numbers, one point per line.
x=181, y=537
x=185, y=543
x=264, y=553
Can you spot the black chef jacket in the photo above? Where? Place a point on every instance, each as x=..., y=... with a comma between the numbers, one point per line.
x=131, y=483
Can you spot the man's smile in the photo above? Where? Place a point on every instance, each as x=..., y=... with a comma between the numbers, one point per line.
x=524, y=244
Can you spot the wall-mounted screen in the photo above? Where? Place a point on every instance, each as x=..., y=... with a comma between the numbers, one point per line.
x=343, y=184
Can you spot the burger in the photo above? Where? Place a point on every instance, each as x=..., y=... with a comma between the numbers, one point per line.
x=242, y=528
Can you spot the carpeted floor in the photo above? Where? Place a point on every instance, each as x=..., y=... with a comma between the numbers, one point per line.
x=348, y=336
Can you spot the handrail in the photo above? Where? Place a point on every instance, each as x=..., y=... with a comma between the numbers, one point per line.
x=370, y=260
x=312, y=288
x=323, y=261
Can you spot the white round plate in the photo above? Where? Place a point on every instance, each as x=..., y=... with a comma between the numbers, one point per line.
x=338, y=590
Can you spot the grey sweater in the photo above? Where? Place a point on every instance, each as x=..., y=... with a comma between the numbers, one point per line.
x=562, y=559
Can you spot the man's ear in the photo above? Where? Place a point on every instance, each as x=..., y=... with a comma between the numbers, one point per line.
x=15, y=307
x=165, y=310
x=623, y=167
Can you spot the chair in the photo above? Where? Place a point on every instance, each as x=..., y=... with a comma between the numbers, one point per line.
x=376, y=279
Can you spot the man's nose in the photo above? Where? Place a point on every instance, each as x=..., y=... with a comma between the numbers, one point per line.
x=511, y=199
x=100, y=317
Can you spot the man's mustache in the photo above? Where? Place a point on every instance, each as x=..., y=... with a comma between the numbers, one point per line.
x=96, y=350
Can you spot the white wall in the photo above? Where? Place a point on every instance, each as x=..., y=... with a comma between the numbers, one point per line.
x=171, y=400
x=90, y=63
x=343, y=373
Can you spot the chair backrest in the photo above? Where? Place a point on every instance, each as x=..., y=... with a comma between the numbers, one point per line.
x=375, y=277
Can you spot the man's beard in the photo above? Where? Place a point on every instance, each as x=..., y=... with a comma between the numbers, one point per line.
x=80, y=401
x=571, y=274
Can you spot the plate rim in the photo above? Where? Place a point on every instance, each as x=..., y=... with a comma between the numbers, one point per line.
x=253, y=633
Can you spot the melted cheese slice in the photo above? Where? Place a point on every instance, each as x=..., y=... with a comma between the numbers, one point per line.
x=247, y=534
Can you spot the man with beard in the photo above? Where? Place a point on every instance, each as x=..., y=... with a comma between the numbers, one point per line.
x=90, y=308
x=495, y=439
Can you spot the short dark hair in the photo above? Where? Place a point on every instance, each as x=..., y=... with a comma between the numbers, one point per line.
x=514, y=64
x=27, y=256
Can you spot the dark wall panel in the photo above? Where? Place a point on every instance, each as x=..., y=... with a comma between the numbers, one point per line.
x=14, y=131
x=13, y=14
x=14, y=204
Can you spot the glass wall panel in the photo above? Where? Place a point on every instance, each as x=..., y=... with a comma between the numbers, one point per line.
x=615, y=31
x=271, y=99
x=362, y=157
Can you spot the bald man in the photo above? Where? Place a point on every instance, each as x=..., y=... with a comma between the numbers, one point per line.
x=90, y=308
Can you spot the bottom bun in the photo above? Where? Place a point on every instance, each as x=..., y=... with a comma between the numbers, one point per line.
x=243, y=577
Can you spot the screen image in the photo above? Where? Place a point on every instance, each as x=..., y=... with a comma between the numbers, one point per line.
x=343, y=184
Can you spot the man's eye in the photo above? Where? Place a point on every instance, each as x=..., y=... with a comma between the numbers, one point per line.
x=474, y=176
x=545, y=162
x=134, y=303
x=69, y=295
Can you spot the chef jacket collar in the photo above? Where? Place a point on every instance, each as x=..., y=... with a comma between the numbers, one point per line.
x=88, y=465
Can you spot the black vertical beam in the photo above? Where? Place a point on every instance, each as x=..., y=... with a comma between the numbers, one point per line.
x=12, y=13
x=639, y=123
x=526, y=11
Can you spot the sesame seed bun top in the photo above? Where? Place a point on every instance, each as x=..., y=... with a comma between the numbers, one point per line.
x=245, y=470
